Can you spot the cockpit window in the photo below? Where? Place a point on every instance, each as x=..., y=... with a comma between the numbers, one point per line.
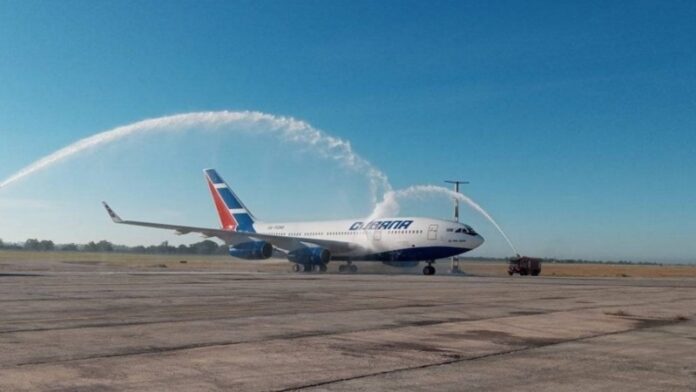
x=468, y=230
x=450, y=230
x=458, y=231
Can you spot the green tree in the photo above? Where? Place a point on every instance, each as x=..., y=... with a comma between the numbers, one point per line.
x=206, y=247
x=46, y=245
x=31, y=244
x=69, y=247
x=165, y=248
x=91, y=247
x=105, y=246
x=222, y=250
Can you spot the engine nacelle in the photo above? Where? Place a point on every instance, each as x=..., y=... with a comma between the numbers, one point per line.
x=253, y=250
x=401, y=264
x=310, y=256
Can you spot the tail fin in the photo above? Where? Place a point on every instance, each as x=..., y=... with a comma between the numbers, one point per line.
x=234, y=216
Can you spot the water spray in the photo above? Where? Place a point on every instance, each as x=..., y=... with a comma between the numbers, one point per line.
x=286, y=128
x=390, y=206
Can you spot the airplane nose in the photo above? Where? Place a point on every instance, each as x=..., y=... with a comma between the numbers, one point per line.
x=479, y=240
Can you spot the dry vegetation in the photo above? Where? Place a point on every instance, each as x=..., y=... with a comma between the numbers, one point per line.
x=619, y=270
x=43, y=260
x=589, y=270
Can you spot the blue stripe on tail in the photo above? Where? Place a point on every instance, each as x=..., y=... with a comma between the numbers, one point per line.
x=214, y=177
x=230, y=201
x=245, y=223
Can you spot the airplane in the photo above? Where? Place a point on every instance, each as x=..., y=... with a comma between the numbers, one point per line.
x=310, y=246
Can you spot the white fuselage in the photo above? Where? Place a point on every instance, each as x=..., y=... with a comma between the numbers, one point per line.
x=311, y=245
x=387, y=239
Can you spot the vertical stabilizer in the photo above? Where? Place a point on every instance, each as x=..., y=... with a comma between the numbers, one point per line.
x=234, y=216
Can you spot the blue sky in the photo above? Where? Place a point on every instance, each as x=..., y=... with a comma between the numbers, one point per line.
x=574, y=121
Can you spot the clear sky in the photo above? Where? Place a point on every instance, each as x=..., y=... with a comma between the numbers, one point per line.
x=574, y=121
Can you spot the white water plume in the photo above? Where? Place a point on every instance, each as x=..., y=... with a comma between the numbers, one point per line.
x=287, y=128
x=389, y=206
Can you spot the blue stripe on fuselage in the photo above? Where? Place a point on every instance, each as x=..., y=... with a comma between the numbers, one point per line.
x=410, y=254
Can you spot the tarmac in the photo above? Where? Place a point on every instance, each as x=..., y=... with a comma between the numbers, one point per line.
x=66, y=327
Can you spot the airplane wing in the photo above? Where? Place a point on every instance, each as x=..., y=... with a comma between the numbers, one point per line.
x=283, y=243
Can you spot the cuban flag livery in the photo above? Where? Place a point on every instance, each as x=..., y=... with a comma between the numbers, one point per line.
x=311, y=246
x=234, y=216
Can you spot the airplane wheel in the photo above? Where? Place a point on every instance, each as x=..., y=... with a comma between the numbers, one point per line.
x=428, y=270
x=341, y=268
x=322, y=267
x=296, y=268
x=316, y=268
x=353, y=269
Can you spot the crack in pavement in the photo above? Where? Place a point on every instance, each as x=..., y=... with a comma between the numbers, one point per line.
x=641, y=326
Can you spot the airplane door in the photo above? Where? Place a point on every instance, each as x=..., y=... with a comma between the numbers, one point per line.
x=432, y=232
x=377, y=235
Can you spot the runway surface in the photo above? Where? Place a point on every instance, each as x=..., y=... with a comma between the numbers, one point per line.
x=103, y=328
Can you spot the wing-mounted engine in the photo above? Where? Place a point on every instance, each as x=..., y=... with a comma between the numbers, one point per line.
x=253, y=250
x=314, y=255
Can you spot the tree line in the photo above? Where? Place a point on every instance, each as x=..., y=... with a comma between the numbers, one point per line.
x=563, y=261
x=206, y=247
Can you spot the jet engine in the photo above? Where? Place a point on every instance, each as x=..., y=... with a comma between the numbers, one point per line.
x=310, y=256
x=253, y=250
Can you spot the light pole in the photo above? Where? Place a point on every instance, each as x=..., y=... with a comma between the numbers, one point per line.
x=455, y=260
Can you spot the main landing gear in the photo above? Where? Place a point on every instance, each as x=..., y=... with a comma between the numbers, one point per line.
x=349, y=268
x=309, y=268
x=429, y=269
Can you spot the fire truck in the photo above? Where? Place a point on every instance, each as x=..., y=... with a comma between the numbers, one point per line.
x=524, y=265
